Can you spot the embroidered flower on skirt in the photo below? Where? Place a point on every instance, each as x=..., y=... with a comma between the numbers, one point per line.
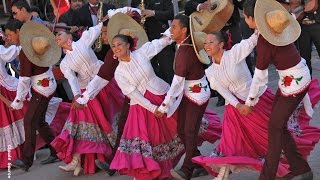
x=87, y=131
x=160, y=152
x=45, y=82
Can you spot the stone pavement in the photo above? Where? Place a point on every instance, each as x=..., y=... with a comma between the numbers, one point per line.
x=52, y=172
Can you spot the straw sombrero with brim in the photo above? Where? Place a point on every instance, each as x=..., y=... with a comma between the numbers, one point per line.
x=275, y=23
x=38, y=44
x=124, y=24
x=198, y=39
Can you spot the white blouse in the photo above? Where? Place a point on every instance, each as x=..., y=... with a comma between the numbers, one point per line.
x=137, y=76
x=7, y=55
x=232, y=78
x=81, y=60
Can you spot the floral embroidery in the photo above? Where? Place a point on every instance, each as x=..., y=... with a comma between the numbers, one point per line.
x=287, y=80
x=88, y=132
x=45, y=82
x=159, y=152
x=197, y=88
x=293, y=125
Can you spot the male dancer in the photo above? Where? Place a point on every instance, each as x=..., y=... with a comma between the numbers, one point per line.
x=189, y=72
x=41, y=82
x=275, y=45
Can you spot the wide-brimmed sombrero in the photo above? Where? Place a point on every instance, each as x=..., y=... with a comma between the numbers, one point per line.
x=275, y=23
x=38, y=44
x=198, y=39
x=124, y=24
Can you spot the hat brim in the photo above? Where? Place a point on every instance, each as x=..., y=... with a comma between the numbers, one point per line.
x=289, y=35
x=199, y=49
x=122, y=21
x=33, y=29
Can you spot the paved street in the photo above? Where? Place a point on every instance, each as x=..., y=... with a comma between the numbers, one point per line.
x=52, y=172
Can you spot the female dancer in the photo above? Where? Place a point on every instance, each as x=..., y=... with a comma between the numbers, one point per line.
x=11, y=123
x=149, y=144
x=244, y=138
x=88, y=133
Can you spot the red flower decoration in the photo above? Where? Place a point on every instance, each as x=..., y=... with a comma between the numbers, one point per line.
x=197, y=88
x=287, y=80
x=45, y=82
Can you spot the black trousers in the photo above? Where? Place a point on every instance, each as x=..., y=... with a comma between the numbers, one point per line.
x=309, y=34
x=189, y=120
x=34, y=119
x=279, y=138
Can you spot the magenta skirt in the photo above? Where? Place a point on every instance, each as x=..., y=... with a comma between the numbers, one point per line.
x=149, y=146
x=89, y=131
x=244, y=139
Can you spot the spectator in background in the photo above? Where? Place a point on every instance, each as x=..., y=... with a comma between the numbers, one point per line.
x=35, y=11
x=22, y=12
x=87, y=16
x=67, y=17
x=157, y=14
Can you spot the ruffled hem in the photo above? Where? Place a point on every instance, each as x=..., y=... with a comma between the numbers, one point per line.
x=253, y=149
x=149, y=146
x=236, y=164
x=66, y=146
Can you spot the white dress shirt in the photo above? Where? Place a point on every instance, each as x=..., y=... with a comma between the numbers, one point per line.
x=81, y=60
x=137, y=76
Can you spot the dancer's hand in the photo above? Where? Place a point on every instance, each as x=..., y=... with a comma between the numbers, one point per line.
x=75, y=104
x=244, y=109
x=158, y=114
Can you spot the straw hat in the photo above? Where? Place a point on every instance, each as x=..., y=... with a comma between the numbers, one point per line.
x=275, y=23
x=198, y=39
x=123, y=24
x=38, y=44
